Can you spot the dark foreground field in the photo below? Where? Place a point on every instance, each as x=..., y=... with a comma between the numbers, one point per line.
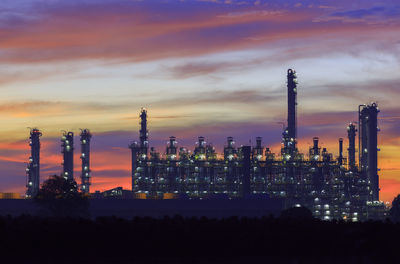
x=28, y=239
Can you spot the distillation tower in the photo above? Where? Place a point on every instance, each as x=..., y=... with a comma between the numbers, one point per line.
x=67, y=148
x=351, y=134
x=289, y=135
x=85, y=138
x=368, y=127
x=140, y=150
x=33, y=169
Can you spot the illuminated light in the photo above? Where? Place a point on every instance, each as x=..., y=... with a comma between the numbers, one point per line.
x=259, y=157
x=67, y=148
x=297, y=205
x=30, y=183
x=230, y=156
x=84, y=141
x=326, y=206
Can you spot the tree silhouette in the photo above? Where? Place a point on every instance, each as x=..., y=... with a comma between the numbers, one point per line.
x=395, y=210
x=297, y=213
x=60, y=197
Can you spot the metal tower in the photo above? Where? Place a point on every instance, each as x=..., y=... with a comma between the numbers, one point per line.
x=290, y=134
x=135, y=148
x=258, y=149
x=246, y=150
x=85, y=157
x=171, y=148
x=368, y=139
x=33, y=169
x=172, y=176
x=139, y=150
x=144, y=133
x=340, y=158
x=67, y=148
x=351, y=133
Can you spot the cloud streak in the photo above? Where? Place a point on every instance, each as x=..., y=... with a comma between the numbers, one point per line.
x=140, y=31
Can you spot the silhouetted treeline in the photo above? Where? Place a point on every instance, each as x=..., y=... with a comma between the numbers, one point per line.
x=193, y=240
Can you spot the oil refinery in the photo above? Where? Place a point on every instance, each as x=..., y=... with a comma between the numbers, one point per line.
x=331, y=187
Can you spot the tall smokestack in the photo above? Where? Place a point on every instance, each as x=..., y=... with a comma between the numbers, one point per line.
x=292, y=105
x=351, y=133
x=33, y=169
x=85, y=157
x=340, y=158
x=67, y=148
x=144, y=133
x=290, y=133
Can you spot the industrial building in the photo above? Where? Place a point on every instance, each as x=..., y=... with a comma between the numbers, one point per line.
x=332, y=187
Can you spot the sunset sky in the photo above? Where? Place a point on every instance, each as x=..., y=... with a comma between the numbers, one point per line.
x=202, y=68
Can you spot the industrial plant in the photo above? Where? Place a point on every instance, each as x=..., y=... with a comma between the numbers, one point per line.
x=331, y=187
